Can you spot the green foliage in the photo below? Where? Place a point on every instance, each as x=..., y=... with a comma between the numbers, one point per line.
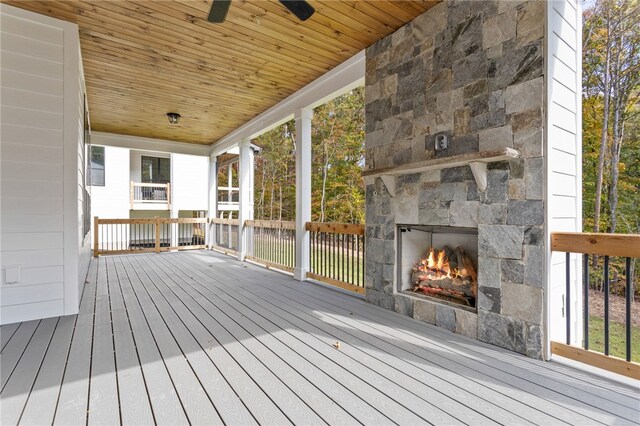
x=611, y=68
x=617, y=338
x=337, y=161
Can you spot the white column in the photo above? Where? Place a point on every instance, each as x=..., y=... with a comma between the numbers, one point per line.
x=213, y=199
x=303, y=191
x=245, y=181
x=173, y=213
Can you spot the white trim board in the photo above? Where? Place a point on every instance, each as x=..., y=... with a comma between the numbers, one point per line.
x=341, y=79
x=148, y=144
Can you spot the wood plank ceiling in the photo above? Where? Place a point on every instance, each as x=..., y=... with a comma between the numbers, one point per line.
x=145, y=58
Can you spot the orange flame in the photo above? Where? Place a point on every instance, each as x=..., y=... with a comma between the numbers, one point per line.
x=437, y=262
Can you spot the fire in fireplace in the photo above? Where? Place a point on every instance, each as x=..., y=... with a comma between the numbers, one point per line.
x=449, y=274
x=438, y=263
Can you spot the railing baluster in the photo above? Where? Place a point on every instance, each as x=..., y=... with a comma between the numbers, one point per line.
x=606, y=305
x=628, y=297
x=586, y=301
x=567, y=298
x=342, y=246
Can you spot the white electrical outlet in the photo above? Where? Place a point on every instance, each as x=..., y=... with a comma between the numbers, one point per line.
x=12, y=274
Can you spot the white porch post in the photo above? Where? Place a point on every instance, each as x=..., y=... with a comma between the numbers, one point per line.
x=213, y=199
x=303, y=191
x=173, y=212
x=245, y=181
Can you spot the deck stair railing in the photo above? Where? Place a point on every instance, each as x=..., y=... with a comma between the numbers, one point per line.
x=271, y=243
x=337, y=254
x=606, y=245
x=150, y=193
x=118, y=236
x=225, y=234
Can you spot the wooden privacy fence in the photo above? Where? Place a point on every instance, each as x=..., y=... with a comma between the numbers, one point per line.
x=337, y=254
x=225, y=234
x=607, y=245
x=118, y=236
x=272, y=243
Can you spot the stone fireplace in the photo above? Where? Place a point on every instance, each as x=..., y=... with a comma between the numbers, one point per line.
x=473, y=78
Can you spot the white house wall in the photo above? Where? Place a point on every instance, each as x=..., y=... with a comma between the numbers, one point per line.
x=40, y=90
x=189, y=182
x=564, y=153
x=83, y=239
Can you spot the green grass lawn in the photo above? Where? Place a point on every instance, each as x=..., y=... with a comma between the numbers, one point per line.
x=324, y=261
x=617, y=338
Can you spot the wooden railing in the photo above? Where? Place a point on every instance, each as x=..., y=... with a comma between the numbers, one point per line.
x=118, y=236
x=150, y=193
x=271, y=243
x=337, y=254
x=225, y=234
x=606, y=245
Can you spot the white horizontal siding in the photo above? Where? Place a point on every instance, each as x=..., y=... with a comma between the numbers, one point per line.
x=24, y=170
x=561, y=139
x=31, y=83
x=39, y=275
x=27, y=64
x=32, y=153
x=29, y=311
x=26, y=241
x=564, y=180
x=32, y=164
x=30, y=100
x=16, y=295
x=23, y=42
x=24, y=205
x=31, y=136
x=31, y=188
x=40, y=31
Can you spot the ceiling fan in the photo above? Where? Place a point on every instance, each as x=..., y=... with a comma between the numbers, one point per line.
x=300, y=8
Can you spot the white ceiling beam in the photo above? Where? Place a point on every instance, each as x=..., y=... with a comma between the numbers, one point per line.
x=148, y=144
x=341, y=79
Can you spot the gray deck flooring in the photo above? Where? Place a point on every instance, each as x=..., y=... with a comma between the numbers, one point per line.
x=199, y=338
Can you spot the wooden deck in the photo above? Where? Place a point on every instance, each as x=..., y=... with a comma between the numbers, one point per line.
x=199, y=338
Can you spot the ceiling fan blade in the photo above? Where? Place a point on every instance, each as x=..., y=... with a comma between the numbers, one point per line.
x=218, y=12
x=300, y=8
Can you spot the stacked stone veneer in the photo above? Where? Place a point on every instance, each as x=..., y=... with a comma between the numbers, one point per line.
x=472, y=70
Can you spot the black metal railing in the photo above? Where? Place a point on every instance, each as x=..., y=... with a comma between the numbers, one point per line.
x=593, y=246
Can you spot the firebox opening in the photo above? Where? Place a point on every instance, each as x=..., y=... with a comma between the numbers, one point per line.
x=439, y=263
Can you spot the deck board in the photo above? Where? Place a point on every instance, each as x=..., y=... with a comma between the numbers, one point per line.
x=11, y=353
x=43, y=399
x=6, y=333
x=25, y=372
x=445, y=365
x=104, y=398
x=135, y=407
x=73, y=400
x=197, y=337
x=194, y=398
x=428, y=386
x=165, y=402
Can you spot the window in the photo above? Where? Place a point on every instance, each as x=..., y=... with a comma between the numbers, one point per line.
x=156, y=170
x=97, y=165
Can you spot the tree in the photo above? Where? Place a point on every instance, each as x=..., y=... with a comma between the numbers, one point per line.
x=611, y=76
x=611, y=121
x=337, y=161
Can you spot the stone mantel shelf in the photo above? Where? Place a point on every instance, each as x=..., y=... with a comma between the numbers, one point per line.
x=477, y=161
